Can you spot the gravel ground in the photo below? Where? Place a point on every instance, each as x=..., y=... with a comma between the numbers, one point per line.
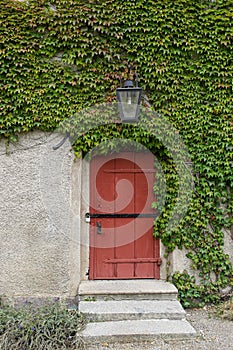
x=212, y=334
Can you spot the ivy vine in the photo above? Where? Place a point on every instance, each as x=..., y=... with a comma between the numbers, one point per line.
x=58, y=57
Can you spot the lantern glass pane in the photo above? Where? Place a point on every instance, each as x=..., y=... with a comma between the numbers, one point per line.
x=129, y=101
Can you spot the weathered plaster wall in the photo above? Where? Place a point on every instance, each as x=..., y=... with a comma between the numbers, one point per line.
x=38, y=256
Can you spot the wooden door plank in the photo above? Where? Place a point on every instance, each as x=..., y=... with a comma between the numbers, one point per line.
x=124, y=228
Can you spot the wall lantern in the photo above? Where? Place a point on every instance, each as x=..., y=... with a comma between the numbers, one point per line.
x=129, y=99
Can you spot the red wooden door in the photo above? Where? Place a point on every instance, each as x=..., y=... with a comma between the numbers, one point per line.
x=122, y=245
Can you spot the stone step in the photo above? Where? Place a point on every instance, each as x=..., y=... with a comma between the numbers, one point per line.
x=131, y=310
x=133, y=330
x=138, y=289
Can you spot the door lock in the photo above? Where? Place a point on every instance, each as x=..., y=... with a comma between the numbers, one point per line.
x=88, y=217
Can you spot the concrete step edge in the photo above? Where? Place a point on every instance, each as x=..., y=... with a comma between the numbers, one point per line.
x=127, y=296
x=112, y=287
x=131, y=309
x=131, y=330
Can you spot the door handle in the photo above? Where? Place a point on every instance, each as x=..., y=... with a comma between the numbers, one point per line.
x=99, y=228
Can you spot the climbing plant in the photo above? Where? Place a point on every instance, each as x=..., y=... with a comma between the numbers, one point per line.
x=59, y=57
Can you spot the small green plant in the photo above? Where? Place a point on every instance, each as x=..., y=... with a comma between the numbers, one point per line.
x=225, y=310
x=49, y=327
x=188, y=292
x=191, y=294
x=90, y=299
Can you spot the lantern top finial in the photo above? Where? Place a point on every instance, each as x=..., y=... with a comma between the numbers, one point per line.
x=128, y=84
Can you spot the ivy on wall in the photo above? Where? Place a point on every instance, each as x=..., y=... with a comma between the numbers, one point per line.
x=58, y=57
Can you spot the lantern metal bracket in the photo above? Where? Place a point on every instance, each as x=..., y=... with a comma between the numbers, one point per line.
x=67, y=135
x=136, y=79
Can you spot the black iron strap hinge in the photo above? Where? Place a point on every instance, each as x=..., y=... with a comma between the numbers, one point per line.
x=123, y=215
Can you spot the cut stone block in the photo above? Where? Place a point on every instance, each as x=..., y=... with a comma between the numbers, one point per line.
x=132, y=330
x=127, y=289
x=131, y=309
